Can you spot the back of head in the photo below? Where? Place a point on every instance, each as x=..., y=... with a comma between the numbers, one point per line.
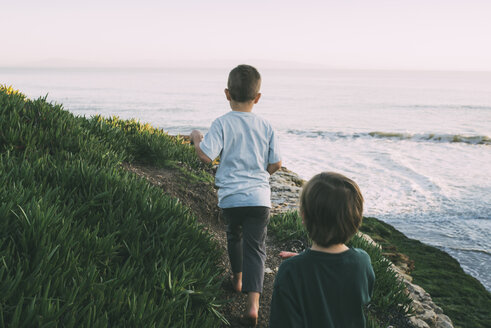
x=332, y=208
x=244, y=83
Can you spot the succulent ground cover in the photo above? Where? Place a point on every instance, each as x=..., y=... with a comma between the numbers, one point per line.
x=84, y=243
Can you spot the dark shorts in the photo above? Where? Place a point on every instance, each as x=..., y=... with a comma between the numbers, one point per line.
x=246, y=241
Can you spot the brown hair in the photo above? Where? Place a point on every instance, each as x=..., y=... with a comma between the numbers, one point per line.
x=243, y=84
x=332, y=208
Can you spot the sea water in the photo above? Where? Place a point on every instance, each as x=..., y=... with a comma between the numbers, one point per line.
x=417, y=143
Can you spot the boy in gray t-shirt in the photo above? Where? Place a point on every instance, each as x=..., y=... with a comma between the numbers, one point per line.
x=249, y=154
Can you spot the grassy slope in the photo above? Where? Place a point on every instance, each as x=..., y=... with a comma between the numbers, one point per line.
x=462, y=298
x=84, y=243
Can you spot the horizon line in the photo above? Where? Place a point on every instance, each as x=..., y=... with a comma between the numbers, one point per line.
x=265, y=67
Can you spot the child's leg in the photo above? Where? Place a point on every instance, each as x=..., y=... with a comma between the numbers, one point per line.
x=252, y=310
x=233, y=218
x=254, y=231
x=237, y=281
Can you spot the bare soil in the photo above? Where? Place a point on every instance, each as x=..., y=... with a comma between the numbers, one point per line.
x=201, y=198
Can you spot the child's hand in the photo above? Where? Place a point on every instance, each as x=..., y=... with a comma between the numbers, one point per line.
x=196, y=136
x=286, y=255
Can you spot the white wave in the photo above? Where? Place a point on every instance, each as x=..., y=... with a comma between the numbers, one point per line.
x=424, y=137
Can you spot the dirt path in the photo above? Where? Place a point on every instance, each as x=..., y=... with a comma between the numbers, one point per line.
x=202, y=200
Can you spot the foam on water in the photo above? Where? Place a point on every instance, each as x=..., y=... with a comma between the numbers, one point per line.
x=469, y=139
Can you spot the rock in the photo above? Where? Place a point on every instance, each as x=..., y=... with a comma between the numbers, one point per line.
x=418, y=323
x=443, y=321
x=402, y=273
x=425, y=310
x=429, y=317
x=438, y=310
x=268, y=271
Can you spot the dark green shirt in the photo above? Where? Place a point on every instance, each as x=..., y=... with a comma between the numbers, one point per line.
x=317, y=289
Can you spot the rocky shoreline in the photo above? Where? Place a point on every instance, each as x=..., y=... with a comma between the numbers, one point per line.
x=285, y=191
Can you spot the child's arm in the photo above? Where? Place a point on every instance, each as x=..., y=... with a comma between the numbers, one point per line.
x=274, y=157
x=196, y=137
x=272, y=168
x=286, y=255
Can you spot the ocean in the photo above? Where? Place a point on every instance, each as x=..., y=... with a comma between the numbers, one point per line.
x=417, y=142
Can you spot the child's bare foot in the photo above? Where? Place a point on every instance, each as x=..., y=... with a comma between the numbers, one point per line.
x=286, y=255
x=249, y=318
x=236, y=281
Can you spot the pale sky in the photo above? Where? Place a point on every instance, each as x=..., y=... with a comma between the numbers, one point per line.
x=375, y=34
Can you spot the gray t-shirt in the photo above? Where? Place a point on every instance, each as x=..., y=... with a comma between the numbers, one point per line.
x=246, y=144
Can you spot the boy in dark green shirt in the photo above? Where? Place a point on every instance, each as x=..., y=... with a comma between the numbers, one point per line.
x=328, y=284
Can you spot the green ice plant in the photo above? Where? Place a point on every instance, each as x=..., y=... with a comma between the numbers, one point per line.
x=84, y=243
x=143, y=142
